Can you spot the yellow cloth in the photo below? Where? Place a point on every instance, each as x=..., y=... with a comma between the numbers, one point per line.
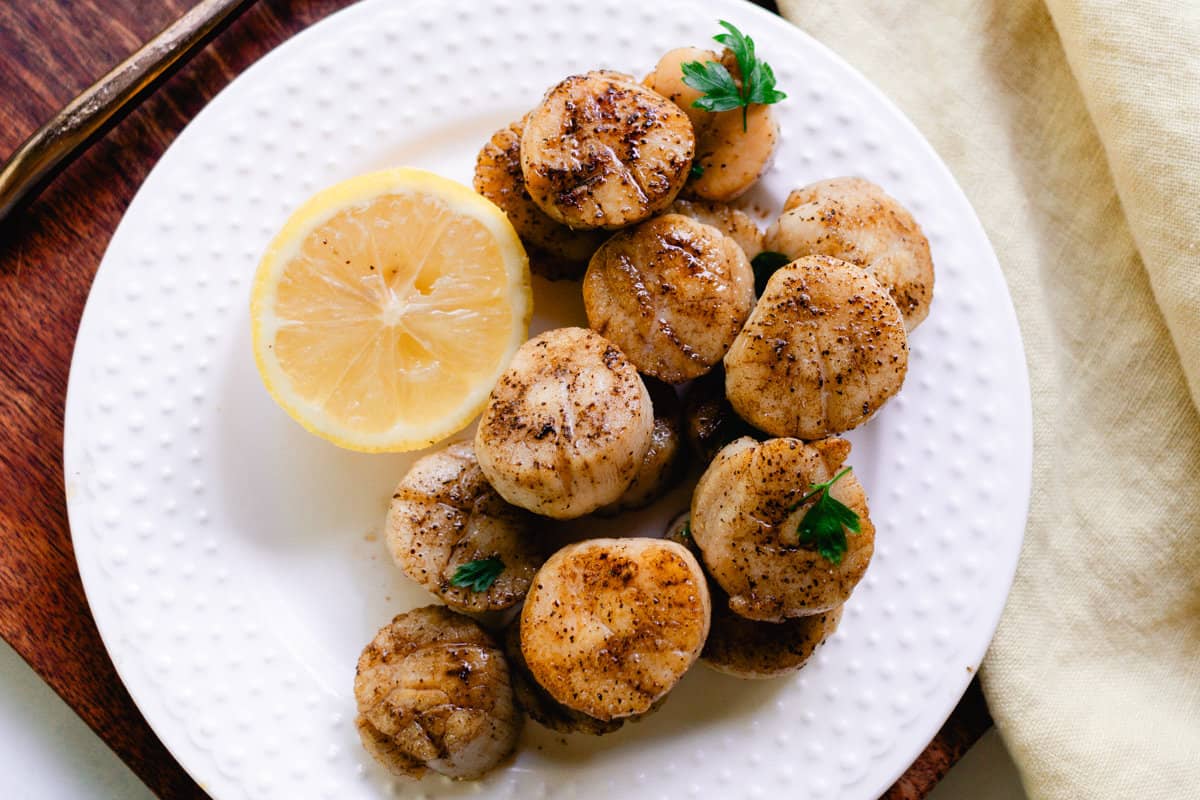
x=1074, y=127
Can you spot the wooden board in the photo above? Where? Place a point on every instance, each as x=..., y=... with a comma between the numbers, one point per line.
x=49, y=51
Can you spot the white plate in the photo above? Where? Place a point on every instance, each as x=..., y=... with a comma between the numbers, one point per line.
x=234, y=563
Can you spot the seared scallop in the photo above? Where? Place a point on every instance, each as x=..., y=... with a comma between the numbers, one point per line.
x=611, y=625
x=433, y=692
x=667, y=80
x=445, y=514
x=672, y=293
x=729, y=157
x=732, y=222
x=745, y=518
x=856, y=221
x=567, y=426
x=555, y=251
x=709, y=420
x=746, y=648
x=537, y=702
x=824, y=348
x=663, y=463
x=603, y=151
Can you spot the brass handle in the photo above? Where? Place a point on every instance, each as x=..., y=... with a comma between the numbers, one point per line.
x=70, y=130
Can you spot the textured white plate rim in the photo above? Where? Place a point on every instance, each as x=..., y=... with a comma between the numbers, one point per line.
x=94, y=579
x=1009, y=567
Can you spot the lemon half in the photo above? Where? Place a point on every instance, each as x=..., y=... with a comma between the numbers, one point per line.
x=386, y=308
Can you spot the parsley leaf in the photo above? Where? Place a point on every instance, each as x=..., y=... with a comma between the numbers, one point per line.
x=720, y=91
x=478, y=575
x=826, y=522
x=685, y=532
x=697, y=170
x=764, y=265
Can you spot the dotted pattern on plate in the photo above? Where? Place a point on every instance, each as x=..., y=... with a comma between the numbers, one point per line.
x=235, y=564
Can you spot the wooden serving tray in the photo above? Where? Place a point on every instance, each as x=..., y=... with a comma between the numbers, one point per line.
x=49, y=51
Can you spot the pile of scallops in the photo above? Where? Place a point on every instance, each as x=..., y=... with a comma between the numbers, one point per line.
x=625, y=185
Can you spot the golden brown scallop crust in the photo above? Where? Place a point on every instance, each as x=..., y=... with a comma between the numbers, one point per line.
x=555, y=251
x=537, y=702
x=433, y=691
x=856, y=221
x=445, y=514
x=824, y=348
x=603, y=151
x=672, y=293
x=746, y=648
x=567, y=426
x=611, y=625
x=745, y=520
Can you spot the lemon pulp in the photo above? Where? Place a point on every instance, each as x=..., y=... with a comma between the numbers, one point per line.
x=386, y=308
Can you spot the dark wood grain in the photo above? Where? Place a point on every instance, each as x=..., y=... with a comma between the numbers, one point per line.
x=49, y=51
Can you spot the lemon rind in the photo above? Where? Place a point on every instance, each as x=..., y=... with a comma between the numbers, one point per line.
x=319, y=209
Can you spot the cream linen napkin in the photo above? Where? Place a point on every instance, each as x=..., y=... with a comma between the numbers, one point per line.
x=1075, y=130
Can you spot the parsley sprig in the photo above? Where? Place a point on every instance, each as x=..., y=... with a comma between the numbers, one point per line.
x=478, y=575
x=826, y=522
x=720, y=91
